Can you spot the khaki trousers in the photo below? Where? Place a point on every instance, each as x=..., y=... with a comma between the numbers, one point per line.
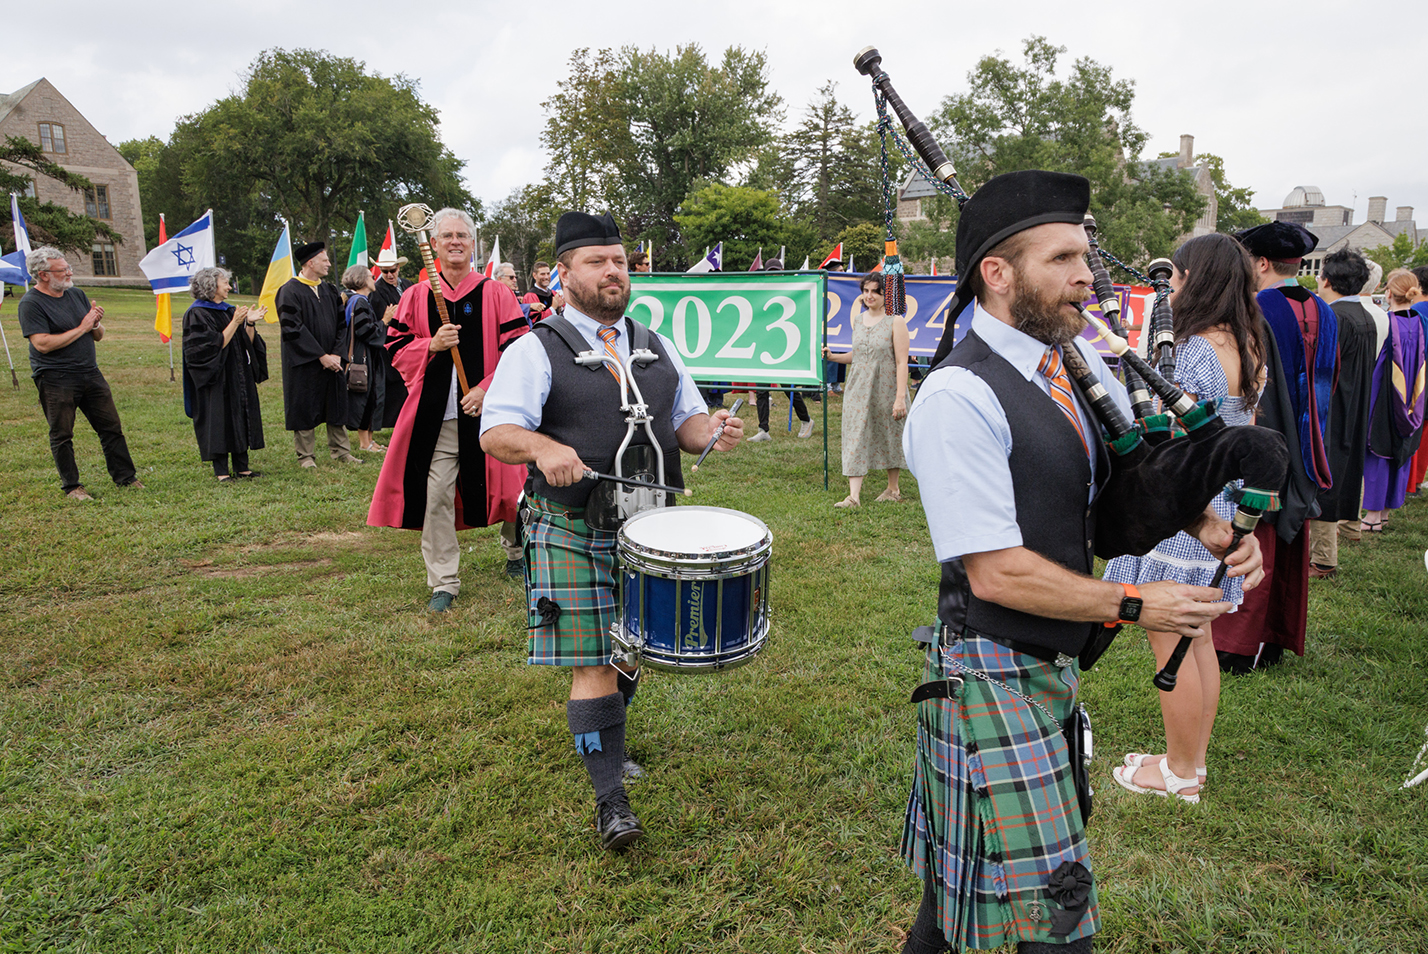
x=1324, y=542
x=337, y=443
x=439, y=547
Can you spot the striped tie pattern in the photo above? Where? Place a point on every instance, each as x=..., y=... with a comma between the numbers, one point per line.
x=607, y=335
x=1055, y=373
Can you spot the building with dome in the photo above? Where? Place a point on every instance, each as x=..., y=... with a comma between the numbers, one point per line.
x=1334, y=225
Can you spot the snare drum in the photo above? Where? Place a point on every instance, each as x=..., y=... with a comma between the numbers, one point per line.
x=694, y=589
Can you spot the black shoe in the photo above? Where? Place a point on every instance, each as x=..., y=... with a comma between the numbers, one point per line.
x=631, y=770
x=441, y=601
x=616, y=825
x=516, y=569
x=248, y=474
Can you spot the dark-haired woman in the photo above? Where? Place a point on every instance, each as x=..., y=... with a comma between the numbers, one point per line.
x=224, y=358
x=1218, y=356
x=875, y=396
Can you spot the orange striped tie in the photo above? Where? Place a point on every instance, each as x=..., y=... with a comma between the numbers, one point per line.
x=607, y=335
x=1055, y=373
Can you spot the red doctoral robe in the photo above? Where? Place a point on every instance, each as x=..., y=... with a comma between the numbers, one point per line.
x=400, y=497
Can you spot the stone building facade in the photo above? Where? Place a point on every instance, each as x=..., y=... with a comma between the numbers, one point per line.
x=1334, y=226
x=41, y=114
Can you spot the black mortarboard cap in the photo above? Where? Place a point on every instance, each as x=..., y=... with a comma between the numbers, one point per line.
x=1278, y=241
x=579, y=229
x=1004, y=206
x=304, y=252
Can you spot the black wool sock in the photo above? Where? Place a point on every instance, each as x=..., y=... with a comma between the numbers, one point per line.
x=599, y=729
x=1081, y=945
x=925, y=936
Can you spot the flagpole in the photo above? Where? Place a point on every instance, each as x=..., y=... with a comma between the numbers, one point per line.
x=13, y=378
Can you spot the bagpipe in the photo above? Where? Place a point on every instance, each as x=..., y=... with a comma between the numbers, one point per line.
x=1161, y=481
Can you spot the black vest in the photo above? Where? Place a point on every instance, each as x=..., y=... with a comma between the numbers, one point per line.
x=583, y=407
x=1050, y=484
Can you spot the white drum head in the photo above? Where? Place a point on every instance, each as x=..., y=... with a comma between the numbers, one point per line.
x=694, y=530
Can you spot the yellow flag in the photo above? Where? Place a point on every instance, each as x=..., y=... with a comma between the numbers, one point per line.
x=280, y=271
x=164, y=320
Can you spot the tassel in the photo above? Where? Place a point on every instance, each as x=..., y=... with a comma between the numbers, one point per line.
x=894, y=285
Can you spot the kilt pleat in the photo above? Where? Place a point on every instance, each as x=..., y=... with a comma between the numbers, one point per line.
x=573, y=566
x=993, y=808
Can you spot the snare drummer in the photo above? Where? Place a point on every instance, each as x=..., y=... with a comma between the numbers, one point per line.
x=559, y=419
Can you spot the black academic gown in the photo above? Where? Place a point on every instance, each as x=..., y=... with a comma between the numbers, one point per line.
x=312, y=325
x=395, y=394
x=369, y=347
x=221, y=382
x=1349, y=414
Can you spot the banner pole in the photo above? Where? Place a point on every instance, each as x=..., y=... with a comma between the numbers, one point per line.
x=13, y=379
x=824, y=398
x=171, y=358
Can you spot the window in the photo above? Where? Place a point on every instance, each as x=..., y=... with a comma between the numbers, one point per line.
x=52, y=138
x=29, y=188
x=104, y=260
x=1302, y=218
x=96, y=202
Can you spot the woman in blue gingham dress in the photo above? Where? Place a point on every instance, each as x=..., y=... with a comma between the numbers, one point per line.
x=1217, y=347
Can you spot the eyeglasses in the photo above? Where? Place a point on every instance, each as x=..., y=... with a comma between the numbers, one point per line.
x=463, y=236
x=67, y=270
x=389, y=271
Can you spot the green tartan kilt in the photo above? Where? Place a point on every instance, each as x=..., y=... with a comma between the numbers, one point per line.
x=573, y=566
x=993, y=809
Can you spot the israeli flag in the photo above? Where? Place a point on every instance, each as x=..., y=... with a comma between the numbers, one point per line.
x=713, y=262
x=12, y=266
x=555, y=280
x=169, y=266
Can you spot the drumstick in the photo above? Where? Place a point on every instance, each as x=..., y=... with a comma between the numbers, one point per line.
x=638, y=483
x=718, y=432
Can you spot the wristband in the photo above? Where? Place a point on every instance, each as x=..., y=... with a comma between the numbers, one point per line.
x=1130, y=608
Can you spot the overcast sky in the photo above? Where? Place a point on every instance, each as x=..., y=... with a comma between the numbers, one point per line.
x=1260, y=89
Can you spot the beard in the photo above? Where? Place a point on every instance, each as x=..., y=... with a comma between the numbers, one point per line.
x=604, y=302
x=1041, y=315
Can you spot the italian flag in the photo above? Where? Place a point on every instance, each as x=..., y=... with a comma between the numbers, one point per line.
x=358, y=256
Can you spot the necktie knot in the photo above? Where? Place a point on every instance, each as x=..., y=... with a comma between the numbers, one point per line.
x=1060, y=390
x=607, y=337
x=1050, y=364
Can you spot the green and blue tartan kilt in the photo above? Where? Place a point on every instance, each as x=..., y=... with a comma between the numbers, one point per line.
x=573, y=566
x=993, y=809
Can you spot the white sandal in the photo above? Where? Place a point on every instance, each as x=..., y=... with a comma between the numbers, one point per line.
x=1174, y=784
x=1137, y=759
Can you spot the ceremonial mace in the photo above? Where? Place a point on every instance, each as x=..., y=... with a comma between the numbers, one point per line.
x=416, y=220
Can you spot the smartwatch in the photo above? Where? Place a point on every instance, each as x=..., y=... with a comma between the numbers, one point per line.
x=1130, y=606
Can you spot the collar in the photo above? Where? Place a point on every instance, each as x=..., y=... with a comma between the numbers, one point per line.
x=588, y=326
x=1020, y=350
x=1355, y=299
x=221, y=305
x=309, y=282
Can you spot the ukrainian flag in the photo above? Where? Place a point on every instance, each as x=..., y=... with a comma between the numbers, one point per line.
x=280, y=270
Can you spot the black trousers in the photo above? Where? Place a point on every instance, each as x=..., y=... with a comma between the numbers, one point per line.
x=761, y=403
x=64, y=392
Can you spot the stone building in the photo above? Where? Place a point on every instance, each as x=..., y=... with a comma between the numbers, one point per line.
x=1334, y=225
x=41, y=114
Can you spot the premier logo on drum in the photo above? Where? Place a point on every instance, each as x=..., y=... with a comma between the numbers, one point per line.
x=697, y=637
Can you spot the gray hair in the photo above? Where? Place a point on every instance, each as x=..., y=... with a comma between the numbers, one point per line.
x=503, y=268
x=39, y=259
x=357, y=277
x=203, y=284
x=450, y=213
x=1375, y=276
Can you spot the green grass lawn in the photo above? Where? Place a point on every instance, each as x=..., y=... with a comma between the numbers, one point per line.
x=229, y=725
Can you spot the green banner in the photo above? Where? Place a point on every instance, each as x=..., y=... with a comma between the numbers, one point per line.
x=738, y=326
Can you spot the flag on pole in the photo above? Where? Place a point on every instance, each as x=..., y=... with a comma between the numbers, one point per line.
x=358, y=255
x=169, y=266
x=164, y=318
x=495, y=258
x=934, y=264
x=834, y=256
x=12, y=266
x=280, y=271
x=850, y=262
x=804, y=266
x=758, y=263
x=782, y=260
x=712, y=262
x=555, y=281
x=878, y=267
x=389, y=241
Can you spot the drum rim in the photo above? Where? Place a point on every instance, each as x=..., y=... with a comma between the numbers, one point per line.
x=626, y=643
x=654, y=559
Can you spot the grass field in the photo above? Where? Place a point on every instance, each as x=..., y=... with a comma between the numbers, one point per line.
x=228, y=725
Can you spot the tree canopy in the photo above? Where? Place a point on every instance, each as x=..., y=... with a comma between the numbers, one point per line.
x=311, y=138
x=1400, y=253
x=49, y=222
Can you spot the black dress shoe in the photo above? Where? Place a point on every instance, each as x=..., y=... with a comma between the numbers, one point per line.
x=616, y=825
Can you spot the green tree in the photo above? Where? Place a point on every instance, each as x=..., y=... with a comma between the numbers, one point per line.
x=49, y=223
x=834, y=166
x=745, y=220
x=1400, y=253
x=862, y=241
x=635, y=131
x=1026, y=117
x=310, y=138
x=525, y=223
x=160, y=184
x=1236, y=209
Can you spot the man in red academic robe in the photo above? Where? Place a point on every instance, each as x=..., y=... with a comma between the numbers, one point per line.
x=435, y=477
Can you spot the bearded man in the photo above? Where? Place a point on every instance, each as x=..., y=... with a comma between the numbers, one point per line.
x=560, y=419
x=1009, y=461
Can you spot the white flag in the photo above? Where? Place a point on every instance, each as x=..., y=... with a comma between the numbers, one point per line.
x=712, y=262
x=169, y=266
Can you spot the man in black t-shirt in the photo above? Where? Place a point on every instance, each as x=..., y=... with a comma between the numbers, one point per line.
x=62, y=327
